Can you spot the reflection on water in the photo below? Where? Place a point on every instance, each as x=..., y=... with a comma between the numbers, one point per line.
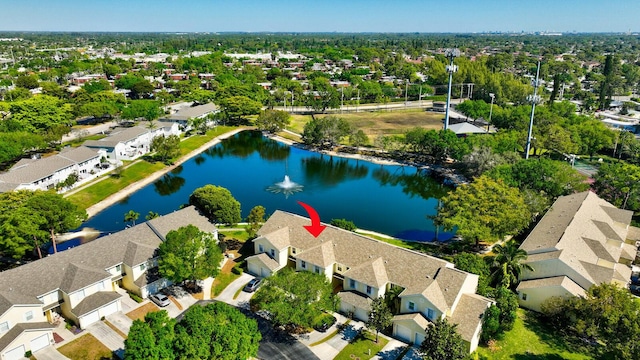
x=249, y=143
x=393, y=200
x=73, y=239
x=330, y=170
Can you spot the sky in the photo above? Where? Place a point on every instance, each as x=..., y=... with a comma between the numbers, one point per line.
x=464, y=16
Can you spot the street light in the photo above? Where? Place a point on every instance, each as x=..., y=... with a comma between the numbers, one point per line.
x=450, y=54
x=492, y=96
x=533, y=99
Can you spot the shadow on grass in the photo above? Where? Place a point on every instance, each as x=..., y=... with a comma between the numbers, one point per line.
x=537, y=357
x=554, y=339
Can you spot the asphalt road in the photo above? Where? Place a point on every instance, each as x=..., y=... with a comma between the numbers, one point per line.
x=275, y=344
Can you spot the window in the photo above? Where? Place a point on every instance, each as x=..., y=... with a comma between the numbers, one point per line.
x=273, y=253
x=430, y=314
x=303, y=264
x=352, y=283
x=143, y=267
x=28, y=316
x=369, y=290
x=119, y=268
x=524, y=296
x=316, y=269
x=260, y=248
x=339, y=267
x=4, y=326
x=100, y=286
x=411, y=306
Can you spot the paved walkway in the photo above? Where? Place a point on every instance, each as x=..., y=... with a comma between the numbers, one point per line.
x=49, y=353
x=206, y=288
x=243, y=298
x=108, y=337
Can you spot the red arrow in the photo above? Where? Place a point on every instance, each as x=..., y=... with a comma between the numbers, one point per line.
x=315, y=228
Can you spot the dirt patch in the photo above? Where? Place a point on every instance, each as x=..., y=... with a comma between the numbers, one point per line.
x=173, y=300
x=86, y=347
x=139, y=313
x=114, y=328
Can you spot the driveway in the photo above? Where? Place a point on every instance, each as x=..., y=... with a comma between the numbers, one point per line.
x=120, y=321
x=49, y=353
x=243, y=298
x=108, y=337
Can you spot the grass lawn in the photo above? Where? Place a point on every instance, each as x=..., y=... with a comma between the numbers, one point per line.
x=139, y=313
x=380, y=123
x=86, y=347
x=110, y=185
x=194, y=142
x=222, y=281
x=529, y=339
x=359, y=348
x=240, y=235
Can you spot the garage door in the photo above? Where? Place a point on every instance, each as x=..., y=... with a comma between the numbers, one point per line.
x=253, y=269
x=264, y=272
x=109, y=309
x=361, y=314
x=419, y=339
x=403, y=333
x=39, y=342
x=15, y=354
x=89, y=319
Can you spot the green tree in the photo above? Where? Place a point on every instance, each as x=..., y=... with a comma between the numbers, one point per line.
x=484, y=210
x=344, y=224
x=189, y=254
x=140, y=343
x=475, y=264
x=163, y=328
x=295, y=298
x=508, y=264
x=96, y=86
x=322, y=95
x=27, y=81
x=442, y=342
x=166, y=147
x=142, y=109
x=507, y=303
x=358, y=138
x=619, y=184
x=594, y=136
x=22, y=228
x=491, y=325
x=142, y=89
x=57, y=213
x=255, y=219
x=325, y=131
x=151, y=215
x=40, y=115
x=131, y=216
x=380, y=316
x=217, y=204
x=98, y=109
x=236, y=108
x=273, y=121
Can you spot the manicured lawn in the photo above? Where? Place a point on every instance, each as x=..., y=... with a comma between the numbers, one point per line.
x=359, y=348
x=102, y=189
x=529, y=339
x=222, y=281
x=86, y=347
x=240, y=235
x=194, y=142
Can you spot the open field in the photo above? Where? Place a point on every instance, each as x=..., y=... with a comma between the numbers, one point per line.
x=380, y=123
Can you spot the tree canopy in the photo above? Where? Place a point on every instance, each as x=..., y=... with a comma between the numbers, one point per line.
x=442, y=342
x=619, y=184
x=485, y=209
x=273, y=121
x=189, y=254
x=217, y=204
x=295, y=298
x=325, y=131
x=215, y=331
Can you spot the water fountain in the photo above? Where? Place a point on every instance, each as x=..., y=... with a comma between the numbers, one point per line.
x=286, y=187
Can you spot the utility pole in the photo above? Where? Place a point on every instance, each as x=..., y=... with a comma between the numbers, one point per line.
x=492, y=95
x=406, y=89
x=533, y=99
x=451, y=54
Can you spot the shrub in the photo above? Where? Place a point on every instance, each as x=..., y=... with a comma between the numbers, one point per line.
x=324, y=320
x=237, y=270
x=135, y=297
x=344, y=224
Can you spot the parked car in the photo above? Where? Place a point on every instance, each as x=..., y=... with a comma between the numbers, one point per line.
x=252, y=285
x=160, y=299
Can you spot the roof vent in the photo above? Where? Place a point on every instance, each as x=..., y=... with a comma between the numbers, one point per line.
x=428, y=277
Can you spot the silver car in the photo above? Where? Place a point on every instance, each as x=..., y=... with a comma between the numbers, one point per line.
x=160, y=299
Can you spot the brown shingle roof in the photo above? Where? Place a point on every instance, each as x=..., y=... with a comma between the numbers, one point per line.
x=117, y=136
x=17, y=330
x=321, y=255
x=266, y=261
x=468, y=314
x=78, y=275
x=355, y=299
x=407, y=268
x=95, y=301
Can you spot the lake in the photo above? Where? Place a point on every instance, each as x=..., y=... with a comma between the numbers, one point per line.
x=390, y=199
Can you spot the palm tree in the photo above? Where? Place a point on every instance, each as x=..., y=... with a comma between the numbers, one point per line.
x=508, y=264
x=131, y=216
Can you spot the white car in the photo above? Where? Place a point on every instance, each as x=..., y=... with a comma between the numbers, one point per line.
x=160, y=299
